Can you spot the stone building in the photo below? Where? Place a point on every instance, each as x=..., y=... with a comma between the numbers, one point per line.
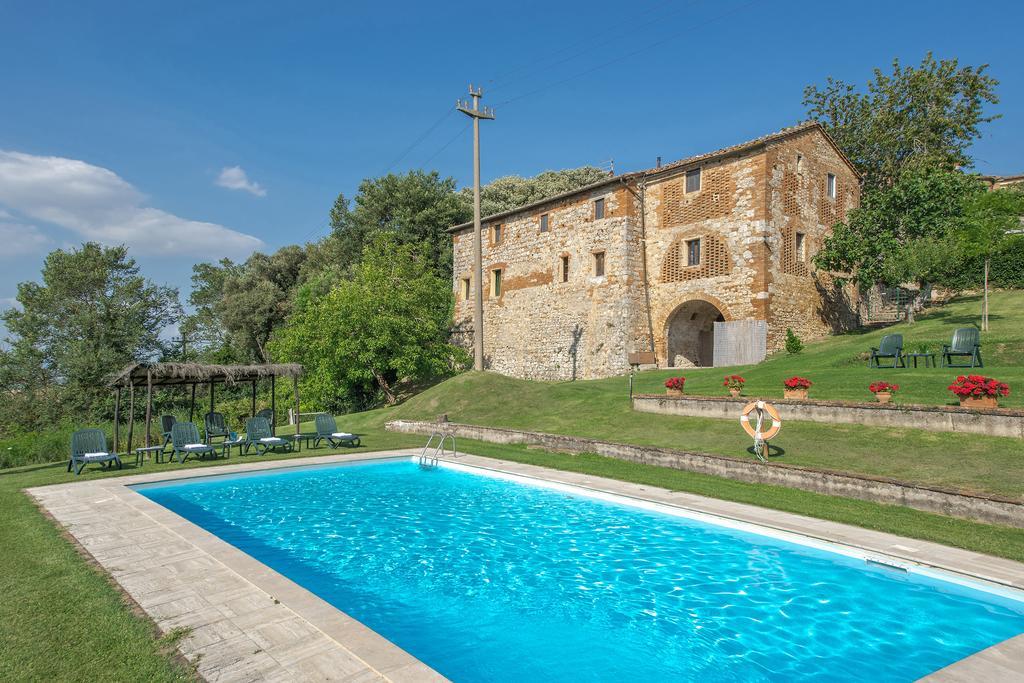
x=647, y=263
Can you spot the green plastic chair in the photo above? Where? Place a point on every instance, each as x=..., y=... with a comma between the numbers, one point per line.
x=268, y=415
x=966, y=343
x=90, y=445
x=259, y=436
x=215, y=427
x=891, y=347
x=166, y=423
x=327, y=430
x=185, y=441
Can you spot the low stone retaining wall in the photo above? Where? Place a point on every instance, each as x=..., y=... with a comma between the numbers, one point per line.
x=994, y=422
x=877, y=489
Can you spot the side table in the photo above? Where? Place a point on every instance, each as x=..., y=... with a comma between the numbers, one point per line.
x=142, y=451
x=929, y=358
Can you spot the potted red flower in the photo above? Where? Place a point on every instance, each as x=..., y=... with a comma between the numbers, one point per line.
x=796, y=387
x=734, y=383
x=674, y=386
x=883, y=391
x=978, y=391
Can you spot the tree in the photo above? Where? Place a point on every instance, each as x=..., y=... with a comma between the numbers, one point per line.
x=915, y=117
x=92, y=314
x=511, y=192
x=888, y=237
x=418, y=208
x=988, y=219
x=385, y=328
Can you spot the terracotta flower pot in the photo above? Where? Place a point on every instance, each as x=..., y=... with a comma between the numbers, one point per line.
x=735, y=392
x=979, y=402
x=799, y=394
x=674, y=392
x=883, y=396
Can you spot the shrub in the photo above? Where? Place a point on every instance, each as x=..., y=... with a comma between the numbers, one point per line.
x=797, y=383
x=793, y=343
x=675, y=383
x=978, y=386
x=883, y=387
x=733, y=382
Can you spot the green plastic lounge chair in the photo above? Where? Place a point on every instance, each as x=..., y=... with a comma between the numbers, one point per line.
x=90, y=445
x=258, y=435
x=166, y=422
x=268, y=415
x=890, y=348
x=327, y=430
x=215, y=427
x=185, y=441
x=966, y=344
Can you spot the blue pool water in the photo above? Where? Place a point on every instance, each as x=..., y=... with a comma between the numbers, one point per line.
x=486, y=579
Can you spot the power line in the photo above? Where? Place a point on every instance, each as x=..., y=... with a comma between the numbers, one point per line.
x=448, y=144
x=423, y=136
x=626, y=56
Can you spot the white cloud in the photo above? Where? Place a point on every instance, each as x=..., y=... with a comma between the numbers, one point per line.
x=99, y=205
x=8, y=302
x=235, y=178
x=19, y=239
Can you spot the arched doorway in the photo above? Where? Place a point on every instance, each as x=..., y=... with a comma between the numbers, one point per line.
x=690, y=334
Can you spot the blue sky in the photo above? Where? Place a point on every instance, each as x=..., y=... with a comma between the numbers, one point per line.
x=195, y=130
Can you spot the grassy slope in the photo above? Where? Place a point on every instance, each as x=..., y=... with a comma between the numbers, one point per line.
x=601, y=409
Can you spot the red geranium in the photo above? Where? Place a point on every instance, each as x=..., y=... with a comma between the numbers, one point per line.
x=797, y=383
x=883, y=387
x=978, y=386
x=675, y=383
x=733, y=382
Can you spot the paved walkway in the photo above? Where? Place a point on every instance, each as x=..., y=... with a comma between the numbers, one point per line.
x=250, y=623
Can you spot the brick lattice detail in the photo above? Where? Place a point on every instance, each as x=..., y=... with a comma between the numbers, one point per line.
x=714, y=260
x=790, y=186
x=831, y=211
x=791, y=265
x=714, y=200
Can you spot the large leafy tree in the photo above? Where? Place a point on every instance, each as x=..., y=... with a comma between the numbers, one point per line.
x=989, y=218
x=913, y=117
x=510, y=192
x=91, y=314
x=384, y=329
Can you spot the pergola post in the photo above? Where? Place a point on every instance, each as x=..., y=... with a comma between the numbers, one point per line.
x=273, y=404
x=211, y=396
x=192, y=406
x=117, y=422
x=131, y=411
x=149, y=406
x=253, y=411
x=298, y=420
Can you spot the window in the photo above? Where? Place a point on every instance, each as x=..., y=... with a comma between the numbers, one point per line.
x=544, y=222
x=465, y=289
x=799, y=162
x=496, y=234
x=693, y=252
x=565, y=269
x=830, y=185
x=599, y=208
x=801, y=247
x=496, y=283
x=599, y=263
x=693, y=181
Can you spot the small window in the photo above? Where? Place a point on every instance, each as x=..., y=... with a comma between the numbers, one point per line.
x=799, y=162
x=465, y=289
x=496, y=234
x=496, y=283
x=801, y=247
x=599, y=208
x=830, y=185
x=565, y=269
x=544, y=222
x=693, y=181
x=599, y=264
x=693, y=252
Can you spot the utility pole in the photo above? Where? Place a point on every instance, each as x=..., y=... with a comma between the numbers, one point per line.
x=478, y=266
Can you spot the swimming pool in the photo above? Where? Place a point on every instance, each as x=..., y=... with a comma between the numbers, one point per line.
x=484, y=577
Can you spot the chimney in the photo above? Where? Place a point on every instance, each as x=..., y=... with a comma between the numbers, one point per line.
x=658, y=164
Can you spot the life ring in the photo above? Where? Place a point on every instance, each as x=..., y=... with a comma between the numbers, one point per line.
x=752, y=429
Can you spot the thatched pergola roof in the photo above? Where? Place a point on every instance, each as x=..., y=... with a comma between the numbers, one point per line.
x=167, y=374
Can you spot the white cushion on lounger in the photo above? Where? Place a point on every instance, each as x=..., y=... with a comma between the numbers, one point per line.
x=94, y=456
x=343, y=435
x=272, y=439
x=193, y=446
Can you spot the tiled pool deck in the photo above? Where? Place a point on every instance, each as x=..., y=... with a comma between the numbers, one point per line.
x=247, y=622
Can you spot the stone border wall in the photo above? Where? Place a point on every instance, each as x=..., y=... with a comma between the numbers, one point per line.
x=995, y=422
x=991, y=510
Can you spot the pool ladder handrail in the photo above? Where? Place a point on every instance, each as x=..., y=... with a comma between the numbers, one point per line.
x=430, y=459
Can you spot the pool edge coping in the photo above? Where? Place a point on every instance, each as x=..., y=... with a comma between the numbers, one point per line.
x=394, y=663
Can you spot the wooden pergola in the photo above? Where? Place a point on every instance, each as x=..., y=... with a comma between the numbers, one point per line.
x=151, y=375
